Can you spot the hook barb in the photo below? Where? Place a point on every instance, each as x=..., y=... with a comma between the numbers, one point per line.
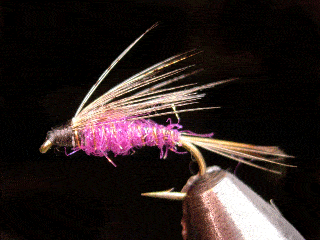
x=167, y=194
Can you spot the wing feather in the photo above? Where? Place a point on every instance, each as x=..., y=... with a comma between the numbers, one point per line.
x=114, y=63
x=152, y=100
x=139, y=80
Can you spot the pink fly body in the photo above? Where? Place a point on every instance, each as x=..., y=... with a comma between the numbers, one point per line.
x=118, y=123
x=122, y=137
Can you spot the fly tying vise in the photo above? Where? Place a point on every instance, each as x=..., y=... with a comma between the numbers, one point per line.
x=119, y=124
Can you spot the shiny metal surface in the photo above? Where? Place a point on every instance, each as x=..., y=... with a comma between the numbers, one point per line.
x=219, y=206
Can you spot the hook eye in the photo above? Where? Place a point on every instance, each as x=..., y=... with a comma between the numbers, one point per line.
x=45, y=146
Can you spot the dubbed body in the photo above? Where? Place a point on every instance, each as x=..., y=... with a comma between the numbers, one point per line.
x=123, y=137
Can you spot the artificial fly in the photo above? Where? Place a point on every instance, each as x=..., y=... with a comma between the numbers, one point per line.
x=119, y=124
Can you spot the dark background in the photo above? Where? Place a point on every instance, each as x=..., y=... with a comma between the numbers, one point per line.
x=52, y=53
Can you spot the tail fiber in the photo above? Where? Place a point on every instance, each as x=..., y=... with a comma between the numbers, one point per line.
x=241, y=152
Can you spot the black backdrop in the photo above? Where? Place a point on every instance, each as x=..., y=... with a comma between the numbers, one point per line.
x=53, y=52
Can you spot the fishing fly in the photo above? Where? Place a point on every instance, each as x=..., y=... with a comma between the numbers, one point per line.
x=118, y=123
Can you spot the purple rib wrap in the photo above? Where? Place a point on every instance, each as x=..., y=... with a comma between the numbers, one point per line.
x=123, y=136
